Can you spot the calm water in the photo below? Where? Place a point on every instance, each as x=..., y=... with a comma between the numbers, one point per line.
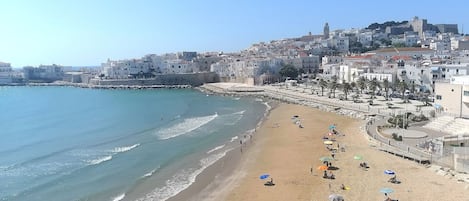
x=63, y=143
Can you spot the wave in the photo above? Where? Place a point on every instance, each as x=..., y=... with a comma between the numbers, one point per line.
x=259, y=99
x=99, y=160
x=124, y=149
x=240, y=112
x=149, y=174
x=234, y=138
x=216, y=148
x=184, y=127
x=181, y=180
x=119, y=197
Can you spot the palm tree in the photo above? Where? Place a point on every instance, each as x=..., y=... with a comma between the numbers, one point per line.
x=412, y=87
x=361, y=82
x=333, y=85
x=346, y=87
x=353, y=85
x=322, y=84
x=373, y=84
x=402, y=86
x=386, y=88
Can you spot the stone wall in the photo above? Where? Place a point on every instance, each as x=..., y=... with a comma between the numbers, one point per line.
x=193, y=79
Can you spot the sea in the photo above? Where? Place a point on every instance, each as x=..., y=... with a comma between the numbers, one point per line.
x=66, y=143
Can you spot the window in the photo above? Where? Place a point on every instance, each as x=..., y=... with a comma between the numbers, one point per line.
x=438, y=97
x=466, y=93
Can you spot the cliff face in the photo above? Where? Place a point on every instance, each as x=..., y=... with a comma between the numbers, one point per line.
x=193, y=79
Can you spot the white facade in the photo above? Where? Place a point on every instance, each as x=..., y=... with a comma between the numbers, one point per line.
x=452, y=98
x=340, y=43
x=380, y=77
x=332, y=60
x=411, y=39
x=464, y=80
x=365, y=38
x=178, y=67
x=440, y=45
x=6, y=73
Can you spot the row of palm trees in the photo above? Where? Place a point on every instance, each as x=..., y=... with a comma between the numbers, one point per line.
x=361, y=84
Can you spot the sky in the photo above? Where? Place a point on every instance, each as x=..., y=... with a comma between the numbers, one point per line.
x=88, y=32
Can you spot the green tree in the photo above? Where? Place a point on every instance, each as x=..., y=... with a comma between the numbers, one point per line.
x=361, y=82
x=372, y=85
x=386, y=86
x=333, y=86
x=346, y=87
x=288, y=70
x=402, y=86
x=412, y=87
x=353, y=85
x=322, y=84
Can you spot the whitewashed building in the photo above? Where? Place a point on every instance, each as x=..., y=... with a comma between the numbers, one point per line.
x=453, y=97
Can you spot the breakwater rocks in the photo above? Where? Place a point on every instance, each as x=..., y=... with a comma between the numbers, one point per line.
x=92, y=86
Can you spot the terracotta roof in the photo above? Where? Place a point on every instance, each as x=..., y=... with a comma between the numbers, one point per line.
x=401, y=58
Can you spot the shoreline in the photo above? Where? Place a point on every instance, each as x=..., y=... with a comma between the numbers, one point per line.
x=221, y=172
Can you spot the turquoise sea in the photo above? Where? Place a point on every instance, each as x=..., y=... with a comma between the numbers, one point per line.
x=65, y=143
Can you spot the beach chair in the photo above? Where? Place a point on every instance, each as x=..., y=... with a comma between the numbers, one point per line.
x=269, y=183
x=394, y=180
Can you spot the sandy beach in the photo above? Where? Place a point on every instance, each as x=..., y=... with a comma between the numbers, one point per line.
x=288, y=153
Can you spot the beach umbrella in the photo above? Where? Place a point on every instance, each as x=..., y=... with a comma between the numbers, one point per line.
x=336, y=197
x=357, y=157
x=264, y=176
x=326, y=158
x=322, y=167
x=331, y=127
x=328, y=142
x=389, y=172
x=386, y=190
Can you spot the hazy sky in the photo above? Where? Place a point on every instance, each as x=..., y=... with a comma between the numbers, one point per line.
x=88, y=32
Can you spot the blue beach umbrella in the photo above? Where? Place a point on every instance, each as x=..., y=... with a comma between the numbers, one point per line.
x=331, y=127
x=389, y=172
x=264, y=176
x=386, y=190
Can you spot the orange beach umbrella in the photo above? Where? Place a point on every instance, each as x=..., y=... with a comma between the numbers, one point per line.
x=322, y=167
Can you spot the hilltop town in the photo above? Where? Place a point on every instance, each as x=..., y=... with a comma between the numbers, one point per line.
x=413, y=58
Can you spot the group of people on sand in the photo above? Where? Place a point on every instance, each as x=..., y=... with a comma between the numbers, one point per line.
x=328, y=176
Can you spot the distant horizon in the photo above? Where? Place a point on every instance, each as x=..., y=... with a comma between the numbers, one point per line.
x=87, y=33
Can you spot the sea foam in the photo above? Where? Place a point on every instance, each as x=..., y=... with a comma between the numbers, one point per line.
x=234, y=138
x=185, y=126
x=216, y=148
x=99, y=160
x=124, y=149
x=149, y=174
x=181, y=180
x=118, y=198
